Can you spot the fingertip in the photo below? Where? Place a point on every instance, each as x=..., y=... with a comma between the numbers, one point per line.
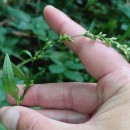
x=47, y=8
x=10, y=117
x=1, y=112
x=55, y=18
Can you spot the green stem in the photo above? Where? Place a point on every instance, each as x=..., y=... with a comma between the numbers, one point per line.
x=24, y=62
x=62, y=38
x=77, y=36
x=31, y=72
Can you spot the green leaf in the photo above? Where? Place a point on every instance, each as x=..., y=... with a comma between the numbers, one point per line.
x=52, y=35
x=9, y=45
x=19, y=74
x=11, y=41
x=90, y=3
x=56, y=69
x=18, y=14
x=38, y=27
x=73, y=66
x=2, y=127
x=3, y=102
x=74, y=75
x=21, y=19
x=58, y=57
x=3, y=31
x=1, y=73
x=125, y=9
x=27, y=53
x=9, y=84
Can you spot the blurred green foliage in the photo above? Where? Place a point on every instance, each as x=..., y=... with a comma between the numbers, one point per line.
x=22, y=26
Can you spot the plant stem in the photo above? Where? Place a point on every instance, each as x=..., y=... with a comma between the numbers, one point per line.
x=62, y=38
x=77, y=36
x=24, y=62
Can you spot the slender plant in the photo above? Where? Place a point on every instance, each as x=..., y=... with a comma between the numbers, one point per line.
x=10, y=71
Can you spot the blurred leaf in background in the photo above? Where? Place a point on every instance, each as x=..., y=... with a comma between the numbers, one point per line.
x=2, y=127
x=3, y=102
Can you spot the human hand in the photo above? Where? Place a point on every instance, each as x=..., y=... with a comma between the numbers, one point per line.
x=104, y=105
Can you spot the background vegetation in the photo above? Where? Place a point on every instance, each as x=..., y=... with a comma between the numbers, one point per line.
x=22, y=26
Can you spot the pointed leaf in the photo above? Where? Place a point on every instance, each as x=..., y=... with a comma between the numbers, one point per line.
x=18, y=14
x=27, y=53
x=73, y=66
x=18, y=72
x=8, y=78
x=56, y=69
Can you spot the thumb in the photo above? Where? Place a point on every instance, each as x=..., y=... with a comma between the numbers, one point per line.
x=21, y=118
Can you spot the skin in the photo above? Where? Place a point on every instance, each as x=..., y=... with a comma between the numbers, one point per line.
x=104, y=105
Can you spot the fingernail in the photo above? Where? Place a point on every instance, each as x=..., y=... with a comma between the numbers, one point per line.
x=10, y=118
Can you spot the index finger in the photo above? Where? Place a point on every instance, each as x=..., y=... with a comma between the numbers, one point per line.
x=98, y=59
